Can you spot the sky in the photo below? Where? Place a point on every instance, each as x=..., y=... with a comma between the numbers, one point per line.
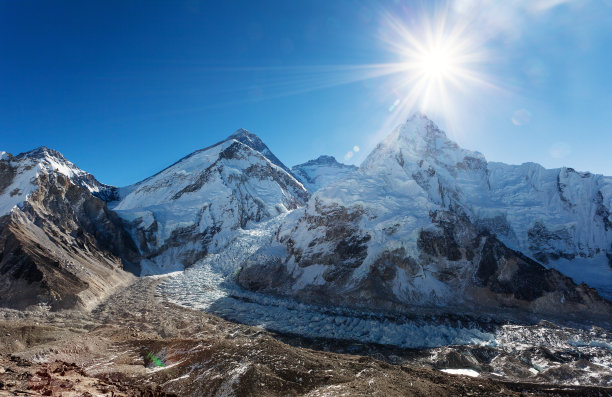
x=124, y=89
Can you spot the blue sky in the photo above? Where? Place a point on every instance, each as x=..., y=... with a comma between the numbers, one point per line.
x=124, y=89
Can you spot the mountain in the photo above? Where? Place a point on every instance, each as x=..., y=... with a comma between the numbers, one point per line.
x=422, y=223
x=195, y=206
x=20, y=170
x=60, y=246
x=426, y=223
x=254, y=142
x=321, y=172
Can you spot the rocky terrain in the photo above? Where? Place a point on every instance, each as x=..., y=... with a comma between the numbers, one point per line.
x=135, y=343
x=60, y=246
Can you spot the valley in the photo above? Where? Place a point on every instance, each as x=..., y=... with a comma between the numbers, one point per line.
x=138, y=344
x=425, y=271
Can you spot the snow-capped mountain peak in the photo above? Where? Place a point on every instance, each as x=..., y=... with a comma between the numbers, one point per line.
x=321, y=172
x=195, y=206
x=324, y=159
x=552, y=215
x=424, y=218
x=254, y=142
x=419, y=139
x=60, y=245
x=19, y=176
x=243, y=135
x=42, y=152
x=52, y=160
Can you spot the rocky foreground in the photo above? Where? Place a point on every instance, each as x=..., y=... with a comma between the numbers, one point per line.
x=135, y=343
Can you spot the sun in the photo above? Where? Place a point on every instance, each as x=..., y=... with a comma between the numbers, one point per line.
x=436, y=63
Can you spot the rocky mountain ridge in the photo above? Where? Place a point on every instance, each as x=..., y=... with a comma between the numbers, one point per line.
x=421, y=222
x=424, y=222
x=60, y=246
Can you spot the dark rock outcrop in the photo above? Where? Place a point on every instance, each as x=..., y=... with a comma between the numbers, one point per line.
x=61, y=247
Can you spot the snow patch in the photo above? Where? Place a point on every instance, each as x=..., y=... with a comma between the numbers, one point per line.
x=466, y=372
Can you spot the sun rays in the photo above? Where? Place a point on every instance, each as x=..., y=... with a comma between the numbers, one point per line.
x=434, y=62
x=440, y=64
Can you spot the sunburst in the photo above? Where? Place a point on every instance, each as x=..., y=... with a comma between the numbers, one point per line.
x=435, y=65
x=439, y=62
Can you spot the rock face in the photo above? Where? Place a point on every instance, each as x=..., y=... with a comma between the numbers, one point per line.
x=195, y=206
x=426, y=223
x=59, y=244
x=321, y=172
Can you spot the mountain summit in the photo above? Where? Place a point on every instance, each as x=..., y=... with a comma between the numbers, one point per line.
x=255, y=143
x=195, y=206
x=22, y=173
x=60, y=246
x=424, y=222
x=420, y=139
x=321, y=172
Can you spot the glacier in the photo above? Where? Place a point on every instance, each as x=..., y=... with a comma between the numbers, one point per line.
x=537, y=352
x=209, y=285
x=425, y=222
